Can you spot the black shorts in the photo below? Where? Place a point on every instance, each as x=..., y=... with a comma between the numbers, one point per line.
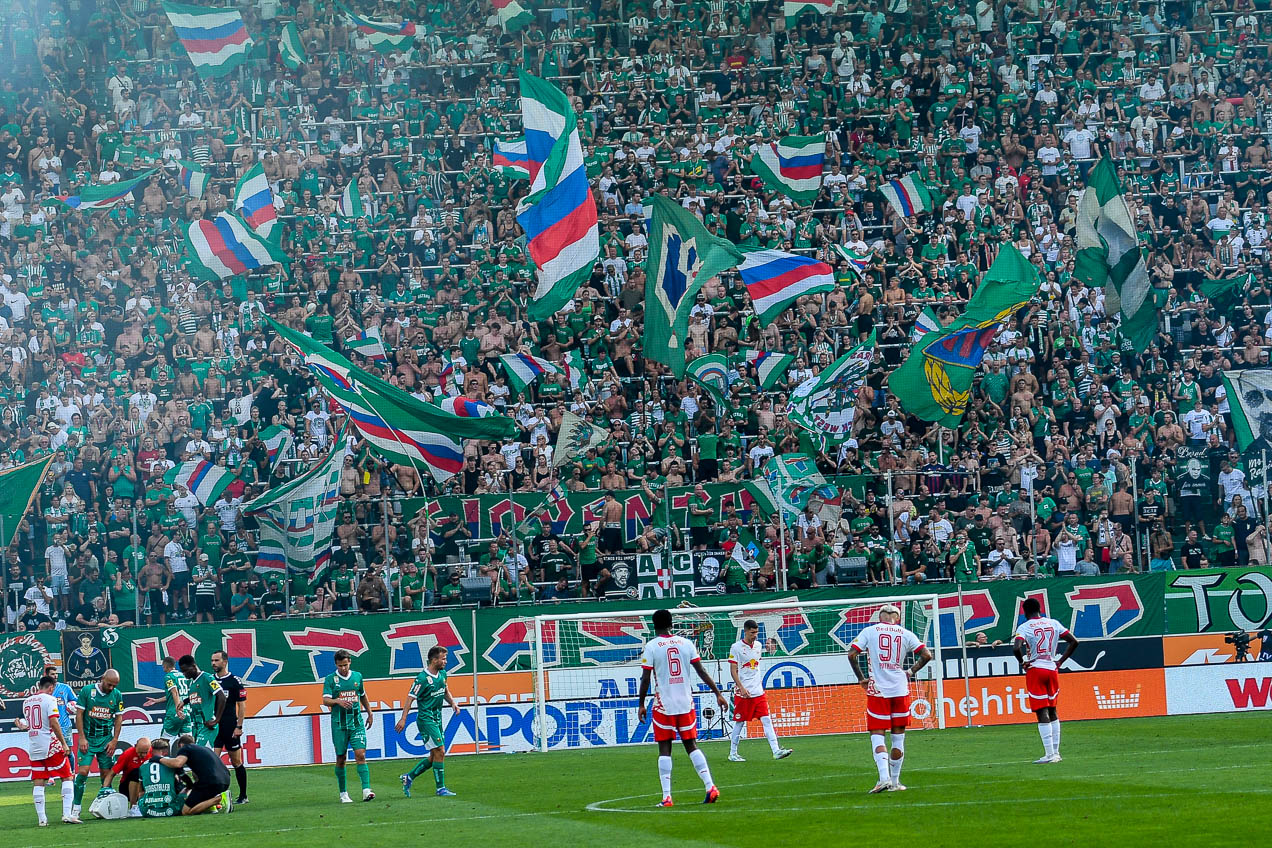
x=226, y=740
x=591, y=571
x=201, y=792
x=611, y=539
x=699, y=536
x=204, y=603
x=131, y=776
x=157, y=606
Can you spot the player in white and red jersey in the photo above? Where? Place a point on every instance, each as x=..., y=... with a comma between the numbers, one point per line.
x=48, y=748
x=749, y=701
x=1035, y=646
x=886, y=644
x=668, y=658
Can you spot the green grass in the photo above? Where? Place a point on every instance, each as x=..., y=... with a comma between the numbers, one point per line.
x=1179, y=781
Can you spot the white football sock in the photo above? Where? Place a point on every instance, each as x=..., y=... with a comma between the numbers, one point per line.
x=894, y=763
x=664, y=775
x=68, y=797
x=1055, y=736
x=880, y=757
x=736, y=736
x=770, y=732
x=699, y=761
x=37, y=794
x=1044, y=730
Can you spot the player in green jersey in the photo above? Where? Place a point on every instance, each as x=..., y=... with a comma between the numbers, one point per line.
x=162, y=792
x=205, y=699
x=344, y=694
x=97, y=723
x=176, y=720
x=429, y=692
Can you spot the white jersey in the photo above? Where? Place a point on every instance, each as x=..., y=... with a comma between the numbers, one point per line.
x=41, y=713
x=669, y=657
x=887, y=646
x=747, y=659
x=1041, y=637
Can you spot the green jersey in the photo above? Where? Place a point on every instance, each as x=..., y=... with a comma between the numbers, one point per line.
x=201, y=696
x=99, y=711
x=177, y=687
x=429, y=693
x=161, y=792
x=349, y=692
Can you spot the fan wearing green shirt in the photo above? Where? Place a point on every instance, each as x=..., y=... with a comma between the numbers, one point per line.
x=98, y=720
x=346, y=697
x=428, y=693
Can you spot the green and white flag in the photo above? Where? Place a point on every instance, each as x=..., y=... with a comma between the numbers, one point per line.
x=827, y=404
x=574, y=438
x=683, y=256
x=1226, y=292
x=712, y=373
x=794, y=481
x=18, y=487
x=297, y=520
x=290, y=48
x=1250, y=402
x=1109, y=257
x=279, y=443
x=350, y=204
x=927, y=322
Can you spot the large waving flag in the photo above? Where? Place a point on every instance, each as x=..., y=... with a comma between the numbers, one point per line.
x=712, y=373
x=103, y=196
x=775, y=280
x=19, y=487
x=254, y=201
x=215, y=39
x=290, y=48
x=927, y=322
x=513, y=15
x=1250, y=402
x=908, y=196
x=192, y=178
x=574, y=438
x=279, y=443
x=385, y=36
x=769, y=367
x=205, y=480
x=792, y=166
x=511, y=159
x=559, y=214
x=857, y=261
x=935, y=381
x=399, y=427
x=792, y=9
x=1109, y=256
x=683, y=256
x=827, y=404
x=298, y=519
x=524, y=368
x=224, y=247
x=370, y=344
x=463, y=407
x=350, y=203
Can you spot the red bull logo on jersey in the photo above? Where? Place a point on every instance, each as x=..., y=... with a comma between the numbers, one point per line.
x=513, y=644
x=409, y=643
x=1104, y=609
x=322, y=645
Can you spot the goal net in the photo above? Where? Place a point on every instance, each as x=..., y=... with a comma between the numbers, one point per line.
x=587, y=668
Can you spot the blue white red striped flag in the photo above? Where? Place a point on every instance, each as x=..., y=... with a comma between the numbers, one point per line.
x=215, y=39
x=524, y=369
x=857, y=262
x=254, y=201
x=775, y=280
x=464, y=407
x=192, y=178
x=279, y=442
x=907, y=196
x=207, y=481
x=559, y=214
x=769, y=367
x=103, y=196
x=792, y=165
x=370, y=344
x=224, y=246
x=448, y=378
x=385, y=36
x=511, y=159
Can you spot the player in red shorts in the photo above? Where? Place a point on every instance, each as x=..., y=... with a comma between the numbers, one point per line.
x=47, y=747
x=667, y=659
x=1035, y=646
x=886, y=645
x=749, y=701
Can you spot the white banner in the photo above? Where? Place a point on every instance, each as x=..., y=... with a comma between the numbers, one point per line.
x=1228, y=688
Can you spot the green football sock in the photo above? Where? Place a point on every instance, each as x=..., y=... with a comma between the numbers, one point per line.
x=80, y=782
x=364, y=774
x=421, y=767
x=340, y=779
x=439, y=774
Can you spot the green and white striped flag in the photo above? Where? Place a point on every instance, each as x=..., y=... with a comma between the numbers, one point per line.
x=1250, y=402
x=712, y=373
x=1109, y=257
x=290, y=48
x=827, y=404
x=350, y=205
x=279, y=443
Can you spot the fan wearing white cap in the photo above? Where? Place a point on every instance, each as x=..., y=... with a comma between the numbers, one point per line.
x=886, y=644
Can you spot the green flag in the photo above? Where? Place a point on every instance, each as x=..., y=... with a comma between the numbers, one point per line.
x=935, y=381
x=1250, y=401
x=18, y=488
x=826, y=404
x=683, y=256
x=1109, y=257
x=290, y=48
x=1226, y=292
x=712, y=373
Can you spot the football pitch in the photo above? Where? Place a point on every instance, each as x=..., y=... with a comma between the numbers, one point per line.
x=1198, y=780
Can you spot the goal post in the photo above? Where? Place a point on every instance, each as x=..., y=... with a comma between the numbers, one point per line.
x=586, y=668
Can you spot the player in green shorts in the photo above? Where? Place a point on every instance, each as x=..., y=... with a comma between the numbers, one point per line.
x=176, y=720
x=162, y=792
x=343, y=692
x=205, y=699
x=429, y=692
x=98, y=719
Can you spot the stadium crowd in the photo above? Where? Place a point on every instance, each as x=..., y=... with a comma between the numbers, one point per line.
x=121, y=364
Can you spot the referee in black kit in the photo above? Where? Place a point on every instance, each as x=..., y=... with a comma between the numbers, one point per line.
x=229, y=733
